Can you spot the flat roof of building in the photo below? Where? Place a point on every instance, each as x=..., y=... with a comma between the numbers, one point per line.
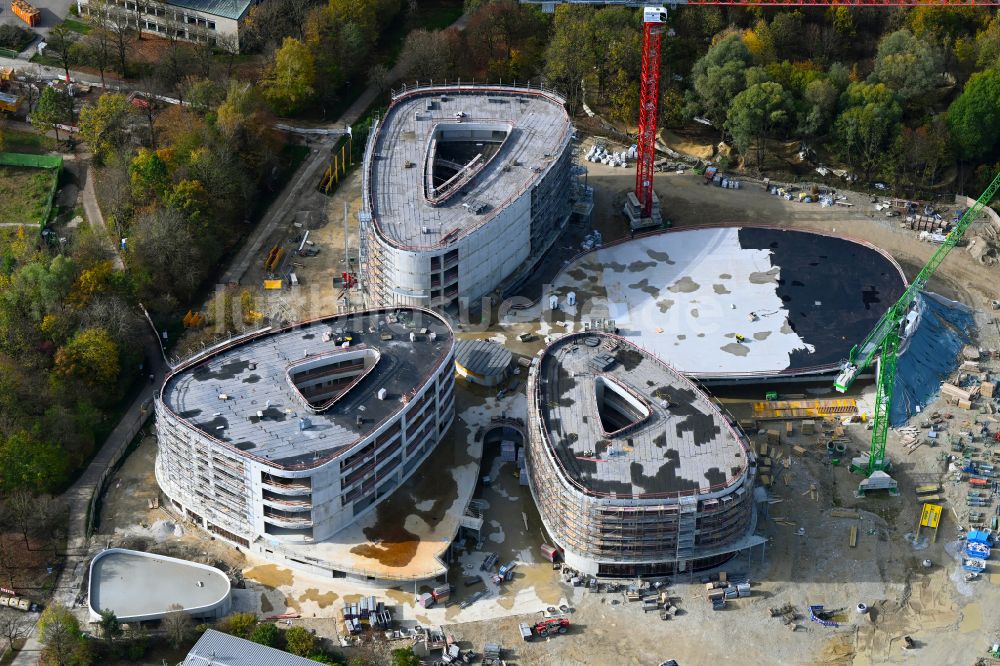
x=261, y=412
x=736, y=301
x=683, y=444
x=483, y=357
x=118, y=576
x=539, y=129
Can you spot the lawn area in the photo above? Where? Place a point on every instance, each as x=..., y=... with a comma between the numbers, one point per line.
x=23, y=194
x=19, y=141
x=76, y=26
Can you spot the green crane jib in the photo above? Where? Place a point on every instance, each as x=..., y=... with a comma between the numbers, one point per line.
x=883, y=341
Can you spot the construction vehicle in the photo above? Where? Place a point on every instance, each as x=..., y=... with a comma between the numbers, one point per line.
x=26, y=12
x=881, y=347
x=554, y=625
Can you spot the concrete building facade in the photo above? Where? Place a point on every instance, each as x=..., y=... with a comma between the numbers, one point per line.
x=217, y=22
x=279, y=440
x=634, y=470
x=464, y=186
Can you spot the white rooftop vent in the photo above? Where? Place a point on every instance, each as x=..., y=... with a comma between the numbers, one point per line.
x=223, y=396
x=425, y=229
x=260, y=414
x=413, y=336
x=382, y=393
x=433, y=336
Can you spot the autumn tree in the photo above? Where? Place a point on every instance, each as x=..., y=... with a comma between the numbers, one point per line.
x=59, y=634
x=288, y=86
x=105, y=126
x=90, y=357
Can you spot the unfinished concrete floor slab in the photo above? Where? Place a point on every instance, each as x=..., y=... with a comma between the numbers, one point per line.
x=731, y=301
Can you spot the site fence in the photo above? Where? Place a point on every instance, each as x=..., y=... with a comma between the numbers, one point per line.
x=25, y=161
x=138, y=422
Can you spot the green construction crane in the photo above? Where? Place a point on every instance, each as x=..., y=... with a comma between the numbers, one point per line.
x=883, y=341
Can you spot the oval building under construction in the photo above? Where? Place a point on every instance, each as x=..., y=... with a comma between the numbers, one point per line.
x=464, y=189
x=634, y=470
x=280, y=439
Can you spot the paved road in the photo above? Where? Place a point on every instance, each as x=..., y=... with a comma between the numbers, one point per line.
x=96, y=219
x=53, y=12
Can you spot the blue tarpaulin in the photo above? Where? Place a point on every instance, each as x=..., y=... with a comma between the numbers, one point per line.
x=929, y=355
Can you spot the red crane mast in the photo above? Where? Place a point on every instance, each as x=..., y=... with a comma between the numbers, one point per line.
x=654, y=26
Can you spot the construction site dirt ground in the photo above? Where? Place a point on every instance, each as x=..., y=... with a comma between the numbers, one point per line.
x=951, y=621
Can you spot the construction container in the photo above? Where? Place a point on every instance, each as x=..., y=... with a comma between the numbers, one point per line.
x=525, y=630
x=743, y=589
x=551, y=553
x=442, y=592
x=26, y=12
x=426, y=600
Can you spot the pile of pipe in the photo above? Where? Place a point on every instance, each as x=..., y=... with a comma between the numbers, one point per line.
x=599, y=154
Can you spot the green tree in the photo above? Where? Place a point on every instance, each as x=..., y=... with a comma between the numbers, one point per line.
x=300, y=641
x=974, y=117
x=288, y=86
x=190, y=198
x=104, y=127
x=111, y=628
x=755, y=114
x=867, y=124
x=909, y=66
x=51, y=111
x=266, y=633
x=405, y=657
x=820, y=104
x=59, y=634
x=27, y=462
x=567, y=58
x=148, y=174
x=240, y=624
x=719, y=76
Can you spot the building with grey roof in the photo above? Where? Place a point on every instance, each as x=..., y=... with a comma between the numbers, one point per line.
x=216, y=22
x=633, y=468
x=482, y=362
x=464, y=189
x=285, y=437
x=215, y=648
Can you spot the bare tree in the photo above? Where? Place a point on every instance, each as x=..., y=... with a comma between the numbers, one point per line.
x=378, y=77
x=62, y=40
x=14, y=625
x=230, y=45
x=177, y=624
x=99, y=42
x=121, y=36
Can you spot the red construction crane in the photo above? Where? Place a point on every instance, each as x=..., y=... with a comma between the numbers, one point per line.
x=654, y=25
